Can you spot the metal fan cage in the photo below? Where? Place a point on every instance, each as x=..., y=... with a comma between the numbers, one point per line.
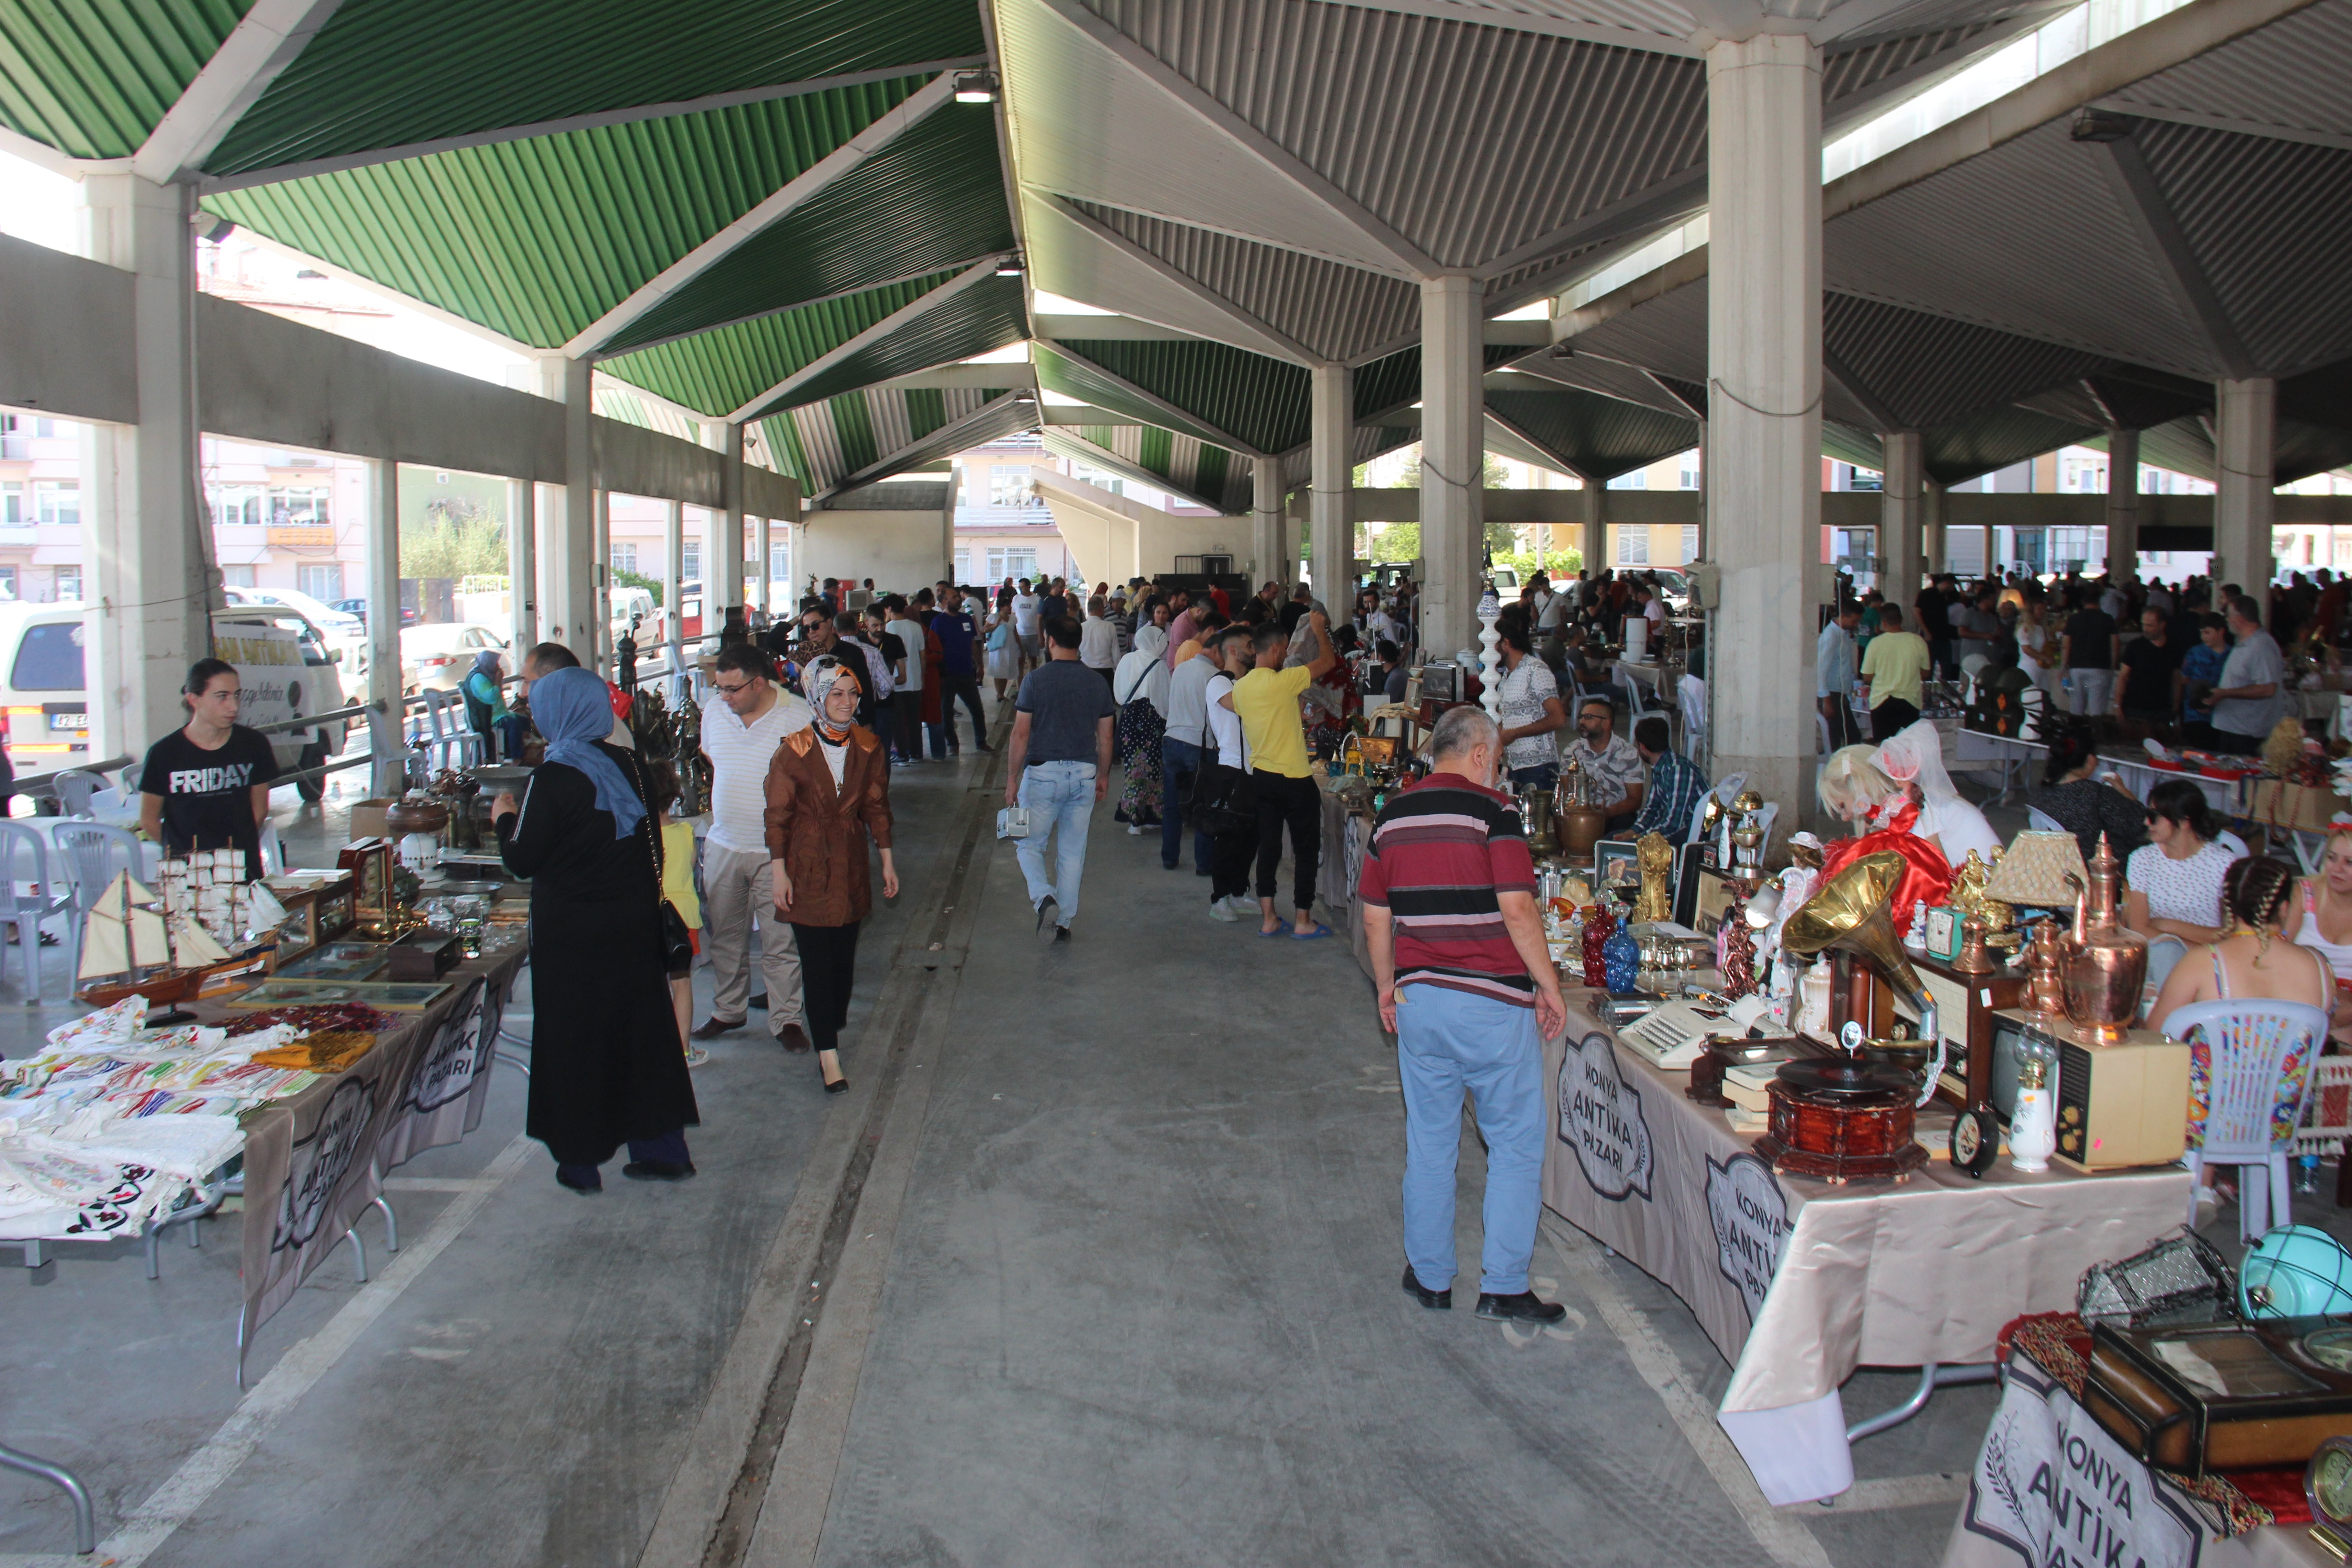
x=2181, y=1279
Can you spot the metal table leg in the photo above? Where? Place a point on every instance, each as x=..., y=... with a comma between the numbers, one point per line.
x=1931, y=1378
x=84, y=1518
x=391, y=1224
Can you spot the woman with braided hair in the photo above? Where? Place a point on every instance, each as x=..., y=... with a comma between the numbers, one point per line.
x=2253, y=958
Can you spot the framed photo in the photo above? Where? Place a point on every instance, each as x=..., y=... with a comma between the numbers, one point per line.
x=1712, y=901
x=339, y=960
x=1690, y=860
x=1615, y=861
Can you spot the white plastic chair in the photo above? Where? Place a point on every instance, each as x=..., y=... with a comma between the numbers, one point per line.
x=1725, y=790
x=88, y=855
x=27, y=897
x=2042, y=821
x=75, y=787
x=273, y=851
x=2253, y=1045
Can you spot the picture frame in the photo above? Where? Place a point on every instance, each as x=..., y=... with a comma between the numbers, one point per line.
x=385, y=996
x=1615, y=861
x=1715, y=898
x=343, y=962
x=1690, y=862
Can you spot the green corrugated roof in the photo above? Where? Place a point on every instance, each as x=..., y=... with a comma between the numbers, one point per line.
x=719, y=372
x=1596, y=435
x=1394, y=382
x=1074, y=377
x=93, y=79
x=537, y=239
x=828, y=443
x=1203, y=470
x=985, y=316
x=389, y=73
x=1259, y=402
x=933, y=198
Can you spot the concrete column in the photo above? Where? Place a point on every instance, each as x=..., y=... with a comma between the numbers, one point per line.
x=570, y=608
x=1268, y=526
x=1764, y=415
x=147, y=531
x=385, y=674
x=600, y=580
x=2122, y=501
x=1452, y=460
x=2246, y=431
x=673, y=561
x=1332, y=496
x=1902, y=516
x=762, y=539
x=522, y=566
x=723, y=573
x=1592, y=509
x=1933, y=514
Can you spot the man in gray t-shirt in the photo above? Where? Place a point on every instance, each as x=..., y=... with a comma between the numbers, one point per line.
x=1061, y=749
x=2251, y=696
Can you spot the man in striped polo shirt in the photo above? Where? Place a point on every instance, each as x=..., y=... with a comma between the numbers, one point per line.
x=1467, y=986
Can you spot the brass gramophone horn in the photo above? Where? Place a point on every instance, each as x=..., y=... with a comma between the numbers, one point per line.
x=1852, y=912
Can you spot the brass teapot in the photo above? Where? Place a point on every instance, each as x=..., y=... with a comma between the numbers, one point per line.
x=1576, y=823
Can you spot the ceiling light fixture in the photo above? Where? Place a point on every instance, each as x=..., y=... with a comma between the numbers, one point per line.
x=976, y=87
x=1010, y=267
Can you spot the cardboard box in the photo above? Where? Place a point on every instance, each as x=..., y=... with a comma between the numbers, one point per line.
x=2306, y=808
x=367, y=819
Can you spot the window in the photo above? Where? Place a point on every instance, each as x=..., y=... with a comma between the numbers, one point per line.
x=239, y=576
x=1633, y=546
x=779, y=560
x=45, y=427
x=50, y=658
x=70, y=586
x=1690, y=543
x=1004, y=562
x=964, y=566
x=625, y=557
x=292, y=506
x=55, y=501
x=1009, y=485
x=1639, y=479
x=690, y=562
x=12, y=505
x=237, y=507
x=322, y=581
x=7, y=584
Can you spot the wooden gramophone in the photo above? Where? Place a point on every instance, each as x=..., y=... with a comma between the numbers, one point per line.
x=1838, y=1118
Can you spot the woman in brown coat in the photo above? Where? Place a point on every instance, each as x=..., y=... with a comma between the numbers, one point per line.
x=828, y=790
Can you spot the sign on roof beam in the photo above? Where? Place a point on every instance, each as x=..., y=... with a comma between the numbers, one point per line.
x=1409, y=259
x=631, y=115
x=259, y=47
x=2135, y=186
x=979, y=272
x=1258, y=335
x=798, y=193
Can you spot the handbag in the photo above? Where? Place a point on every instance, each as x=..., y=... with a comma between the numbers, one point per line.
x=677, y=939
x=1223, y=801
x=996, y=636
x=1013, y=822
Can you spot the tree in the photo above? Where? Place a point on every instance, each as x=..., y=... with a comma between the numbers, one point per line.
x=627, y=579
x=1396, y=541
x=463, y=540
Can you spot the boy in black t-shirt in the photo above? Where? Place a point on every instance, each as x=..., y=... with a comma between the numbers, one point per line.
x=206, y=785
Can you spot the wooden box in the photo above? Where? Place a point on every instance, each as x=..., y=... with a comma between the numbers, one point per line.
x=316, y=911
x=423, y=955
x=2288, y=1385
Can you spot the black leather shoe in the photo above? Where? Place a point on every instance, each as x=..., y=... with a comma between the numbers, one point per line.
x=713, y=1028
x=659, y=1170
x=1435, y=1300
x=761, y=1001
x=1522, y=1308
x=792, y=1037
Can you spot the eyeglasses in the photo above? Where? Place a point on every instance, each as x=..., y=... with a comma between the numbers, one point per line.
x=740, y=686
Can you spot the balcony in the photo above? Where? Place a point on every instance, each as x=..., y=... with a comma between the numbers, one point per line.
x=301, y=536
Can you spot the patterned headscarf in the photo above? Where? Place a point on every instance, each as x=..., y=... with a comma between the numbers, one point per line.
x=817, y=683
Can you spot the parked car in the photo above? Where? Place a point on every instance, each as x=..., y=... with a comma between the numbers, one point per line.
x=435, y=657
x=343, y=636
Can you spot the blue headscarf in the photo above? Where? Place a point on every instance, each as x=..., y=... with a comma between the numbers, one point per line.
x=572, y=709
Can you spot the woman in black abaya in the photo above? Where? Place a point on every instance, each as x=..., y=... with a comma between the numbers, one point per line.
x=607, y=1066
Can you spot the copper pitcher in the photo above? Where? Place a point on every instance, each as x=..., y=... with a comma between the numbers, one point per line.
x=1576, y=823
x=2106, y=965
x=1534, y=807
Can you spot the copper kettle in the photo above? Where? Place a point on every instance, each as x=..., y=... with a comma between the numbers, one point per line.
x=2106, y=965
x=1576, y=823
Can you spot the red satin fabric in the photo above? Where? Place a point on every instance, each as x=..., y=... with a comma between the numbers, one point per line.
x=1927, y=875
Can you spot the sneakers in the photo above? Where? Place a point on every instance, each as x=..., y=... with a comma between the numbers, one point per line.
x=1240, y=905
x=1222, y=910
x=696, y=1056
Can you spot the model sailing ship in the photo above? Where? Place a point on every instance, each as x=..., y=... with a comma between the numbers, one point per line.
x=169, y=949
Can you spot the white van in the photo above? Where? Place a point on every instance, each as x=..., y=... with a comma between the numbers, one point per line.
x=42, y=684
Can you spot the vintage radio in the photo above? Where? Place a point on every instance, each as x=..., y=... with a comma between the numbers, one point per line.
x=2222, y=1396
x=1965, y=1006
x=2118, y=1105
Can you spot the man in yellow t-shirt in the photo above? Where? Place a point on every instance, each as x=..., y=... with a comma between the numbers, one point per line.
x=1266, y=701
x=1891, y=669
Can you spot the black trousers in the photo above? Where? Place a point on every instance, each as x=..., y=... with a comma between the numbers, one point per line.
x=1283, y=800
x=1891, y=718
x=909, y=706
x=964, y=687
x=1844, y=731
x=828, y=970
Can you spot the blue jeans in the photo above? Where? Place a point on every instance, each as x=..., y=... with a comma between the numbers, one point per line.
x=1061, y=801
x=1449, y=1041
x=1180, y=763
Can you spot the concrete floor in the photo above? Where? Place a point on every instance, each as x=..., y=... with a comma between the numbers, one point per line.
x=1098, y=1263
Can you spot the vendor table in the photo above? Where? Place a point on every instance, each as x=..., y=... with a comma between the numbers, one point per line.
x=1798, y=1282
x=1345, y=833
x=2051, y=1486
x=315, y=1159
x=2018, y=763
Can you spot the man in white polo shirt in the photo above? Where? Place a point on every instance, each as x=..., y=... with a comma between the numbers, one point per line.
x=740, y=735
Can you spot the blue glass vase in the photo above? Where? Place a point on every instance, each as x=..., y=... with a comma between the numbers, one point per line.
x=1621, y=956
